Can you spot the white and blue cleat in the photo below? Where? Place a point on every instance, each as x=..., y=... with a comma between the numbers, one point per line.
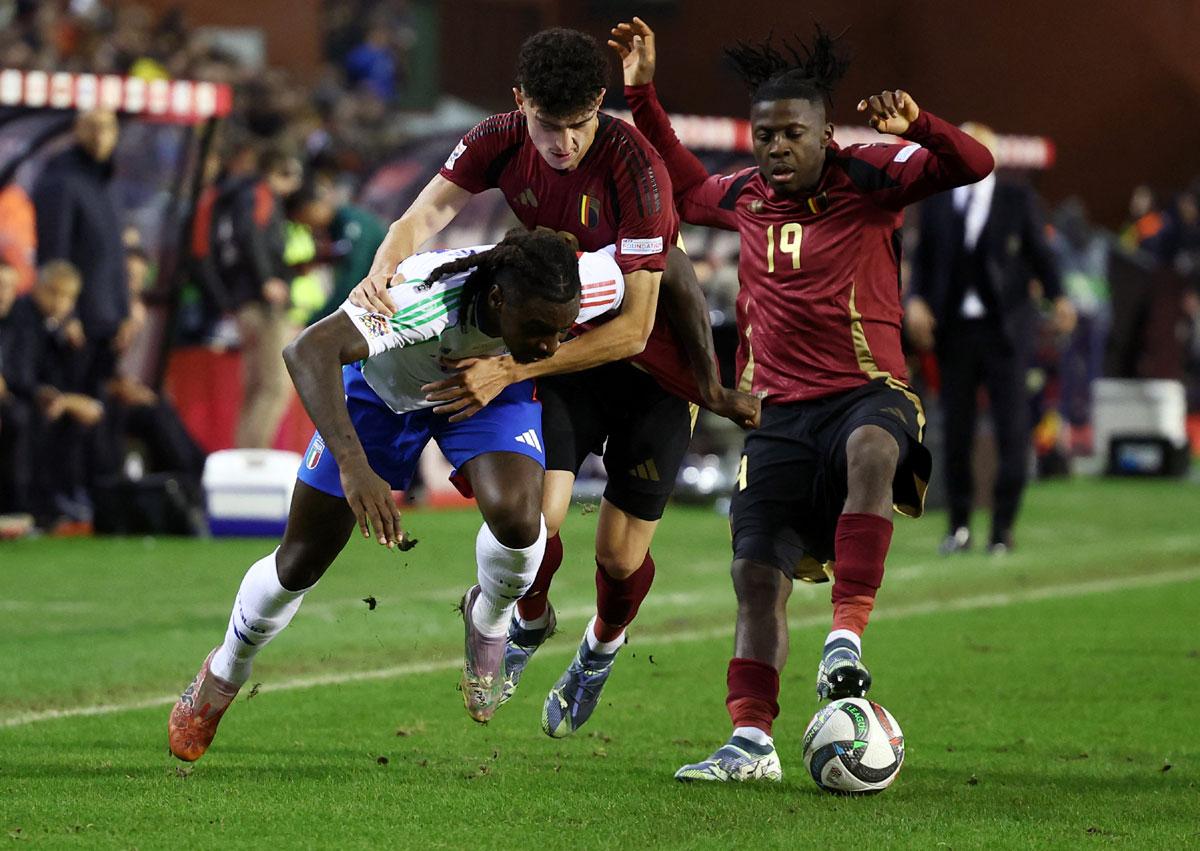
x=575, y=695
x=520, y=645
x=735, y=761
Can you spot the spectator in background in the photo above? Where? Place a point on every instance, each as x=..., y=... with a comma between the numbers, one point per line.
x=1147, y=228
x=248, y=241
x=78, y=222
x=16, y=413
x=48, y=360
x=1082, y=254
x=134, y=411
x=372, y=64
x=979, y=247
x=352, y=235
x=309, y=285
x=18, y=235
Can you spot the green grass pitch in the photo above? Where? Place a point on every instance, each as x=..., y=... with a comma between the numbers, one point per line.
x=1046, y=697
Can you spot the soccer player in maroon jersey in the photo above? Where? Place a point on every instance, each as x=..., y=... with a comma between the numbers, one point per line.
x=840, y=441
x=564, y=165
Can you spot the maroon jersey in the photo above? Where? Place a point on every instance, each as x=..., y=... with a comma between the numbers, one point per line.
x=819, y=307
x=620, y=194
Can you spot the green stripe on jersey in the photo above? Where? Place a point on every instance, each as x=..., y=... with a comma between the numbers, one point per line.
x=435, y=311
x=425, y=303
x=428, y=320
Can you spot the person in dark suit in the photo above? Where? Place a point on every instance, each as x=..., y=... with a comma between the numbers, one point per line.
x=78, y=221
x=980, y=248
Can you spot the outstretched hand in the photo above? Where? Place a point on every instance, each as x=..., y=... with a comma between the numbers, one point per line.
x=634, y=43
x=890, y=112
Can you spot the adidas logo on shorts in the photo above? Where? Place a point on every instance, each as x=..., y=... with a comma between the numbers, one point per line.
x=530, y=438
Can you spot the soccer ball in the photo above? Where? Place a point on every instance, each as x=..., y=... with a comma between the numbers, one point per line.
x=853, y=747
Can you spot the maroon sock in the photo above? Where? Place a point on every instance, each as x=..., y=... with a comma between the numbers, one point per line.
x=753, y=699
x=617, y=600
x=860, y=547
x=533, y=604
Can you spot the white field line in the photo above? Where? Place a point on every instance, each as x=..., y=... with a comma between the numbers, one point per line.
x=960, y=604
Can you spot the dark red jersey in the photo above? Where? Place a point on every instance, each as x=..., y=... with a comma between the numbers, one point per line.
x=819, y=310
x=620, y=194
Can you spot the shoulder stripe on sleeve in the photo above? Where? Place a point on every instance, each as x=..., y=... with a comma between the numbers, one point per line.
x=865, y=176
x=648, y=195
x=729, y=199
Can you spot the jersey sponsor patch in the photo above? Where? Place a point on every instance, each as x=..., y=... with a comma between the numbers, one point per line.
x=642, y=246
x=458, y=151
x=906, y=152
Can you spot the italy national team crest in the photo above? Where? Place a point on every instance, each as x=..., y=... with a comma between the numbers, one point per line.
x=589, y=210
x=315, y=450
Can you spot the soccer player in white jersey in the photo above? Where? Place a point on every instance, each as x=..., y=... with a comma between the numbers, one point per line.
x=360, y=375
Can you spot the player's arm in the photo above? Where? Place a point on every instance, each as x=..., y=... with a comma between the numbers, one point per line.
x=437, y=205
x=314, y=360
x=687, y=313
x=478, y=381
x=698, y=194
x=947, y=156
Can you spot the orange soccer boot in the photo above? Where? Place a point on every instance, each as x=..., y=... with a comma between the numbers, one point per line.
x=197, y=713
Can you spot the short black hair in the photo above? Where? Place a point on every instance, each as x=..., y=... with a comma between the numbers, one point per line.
x=562, y=71
x=798, y=70
x=545, y=267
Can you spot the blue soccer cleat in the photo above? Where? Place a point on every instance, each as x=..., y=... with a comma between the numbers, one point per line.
x=575, y=695
x=520, y=644
x=735, y=761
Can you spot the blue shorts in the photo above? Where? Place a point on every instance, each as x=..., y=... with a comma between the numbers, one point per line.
x=512, y=422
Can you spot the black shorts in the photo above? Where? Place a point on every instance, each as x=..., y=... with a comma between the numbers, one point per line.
x=619, y=412
x=791, y=485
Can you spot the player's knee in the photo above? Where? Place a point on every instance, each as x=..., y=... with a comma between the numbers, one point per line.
x=516, y=522
x=757, y=583
x=872, y=455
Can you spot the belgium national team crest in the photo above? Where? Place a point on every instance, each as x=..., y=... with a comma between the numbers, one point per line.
x=589, y=210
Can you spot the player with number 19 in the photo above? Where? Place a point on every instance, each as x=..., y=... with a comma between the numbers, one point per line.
x=819, y=315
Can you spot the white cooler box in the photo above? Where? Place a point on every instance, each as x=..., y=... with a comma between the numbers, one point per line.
x=249, y=490
x=1141, y=425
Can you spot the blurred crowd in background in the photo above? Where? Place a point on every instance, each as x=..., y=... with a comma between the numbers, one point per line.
x=296, y=194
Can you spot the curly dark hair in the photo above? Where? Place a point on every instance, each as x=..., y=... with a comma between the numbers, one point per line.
x=797, y=70
x=562, y=71
x=539, y=264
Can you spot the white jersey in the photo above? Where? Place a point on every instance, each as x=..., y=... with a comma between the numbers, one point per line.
x=407, y=348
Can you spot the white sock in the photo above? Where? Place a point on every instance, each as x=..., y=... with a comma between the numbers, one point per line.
x=759, y=737
x=261, y=610
x=540, y=622
x=604, y=648
x=852, y=637
x=504, y=575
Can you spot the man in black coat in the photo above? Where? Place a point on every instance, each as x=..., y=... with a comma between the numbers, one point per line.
x=77, y=221
x=980, y=248
x=44, y=366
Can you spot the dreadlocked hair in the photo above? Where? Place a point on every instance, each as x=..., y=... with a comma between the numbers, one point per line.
x=793, y=70
x=540, y=265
